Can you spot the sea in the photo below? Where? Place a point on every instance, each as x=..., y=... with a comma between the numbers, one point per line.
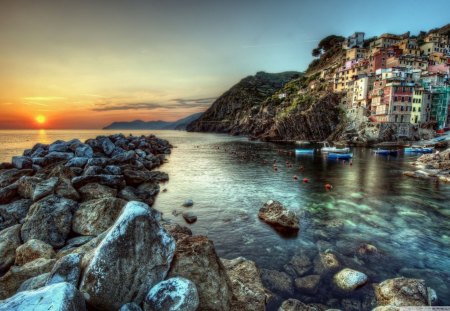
x=229, y=178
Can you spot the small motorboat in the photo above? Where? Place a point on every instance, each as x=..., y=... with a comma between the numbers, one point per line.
x=392, y=152
x=342, y=156
x=419, y=150
x=333, y=149
x=304, y=151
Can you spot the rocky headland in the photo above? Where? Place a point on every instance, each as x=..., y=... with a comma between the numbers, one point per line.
x=432, y=166
x=78, y=232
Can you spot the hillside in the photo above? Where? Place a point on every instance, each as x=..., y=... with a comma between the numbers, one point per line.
x=154, y=125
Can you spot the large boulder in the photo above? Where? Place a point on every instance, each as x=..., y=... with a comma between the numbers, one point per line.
x=10, y=176
x=401, y=292
x=174, y=294
x=58, y=146
x=114, y=181
x=249, y=293
x=21, y=162
x=13, y=213
x=65, y=189
x=16, y=275
x=58, y=297
x=196, y=259
x=134, y=256
x=44, y=188
x=26, y=186
x=95, y=216
x=275, y=214
x=32, y=250
x=67, y=269
x=307, y=284
x=34, y=282
x=96, y=191
x=8, y=193
x=84, y=151
x=49, y=220
x=325, y=263
x=9, y=241
x=348, y=279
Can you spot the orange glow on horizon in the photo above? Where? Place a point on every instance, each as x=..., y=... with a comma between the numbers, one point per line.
x=40, y=119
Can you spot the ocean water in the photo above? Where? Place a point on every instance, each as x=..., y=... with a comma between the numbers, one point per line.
x=230, y=178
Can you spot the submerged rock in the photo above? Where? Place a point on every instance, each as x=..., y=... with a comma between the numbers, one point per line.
x=61, y=297
x=349, y=279
x=249, y=293
x=275, y=214
x=277, y=281
x=401, y=292
x=307, y=284
x=189, y=217
x=174, y=294
x=300, y=265
x=134, y=256
x=297, y=305
x=188, y=203
x=130, y=307
x=196, y=259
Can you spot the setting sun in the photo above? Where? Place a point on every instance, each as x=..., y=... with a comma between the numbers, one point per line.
x=40, y=119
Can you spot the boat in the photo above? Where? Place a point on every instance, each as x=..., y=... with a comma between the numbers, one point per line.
x=342, y=156
x=304, y=151
x=327, y=148
x=386, y=151
x=419, y=150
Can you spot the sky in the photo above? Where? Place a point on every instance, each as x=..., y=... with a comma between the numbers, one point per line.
x=84, y=64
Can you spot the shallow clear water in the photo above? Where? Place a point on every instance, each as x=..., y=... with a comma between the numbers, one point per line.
x=408, y=220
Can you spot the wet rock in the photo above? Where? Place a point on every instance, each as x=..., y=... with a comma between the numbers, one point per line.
x=67, y=269
x=249, y=293
x=113, y=181
x=134, y=256
x=95, y=216
x=21, y=162
x=188, y=203
x=351, y=304
x=144, y=193
x=26, y=186
x=307, y=284
x=8, y=193
x=174, y=294
x=300, y=264
x=9, y=241
x=49, y=220
x=189, y=217
x=77, y=162
x=196, y=259
x=64, y=189
x=401, y=292
x=137, y=177
x=279, y=282
x=58, y=146
x=84, y=248
x=176, y=231
x=130, y=307
x=296, y=305
x=84, y=151
x=58, y=156
x=8, y=177
x=61, y=297
x=13, y=213
x=44, y=188
x=108, y=146
x=278, y=216
x=77, y=241
x=349, y=279
x=11, y=281
x=96, y=191
x=113, y=169
x=93, y=170
x=6, y=166
x=326, y=263
x=73, y=144
x=124, y=157
x=34, y=282
x=98, y=162
x=32, y=250
x=61, y=172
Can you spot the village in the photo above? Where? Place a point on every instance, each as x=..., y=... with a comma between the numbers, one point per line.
x=393, y=79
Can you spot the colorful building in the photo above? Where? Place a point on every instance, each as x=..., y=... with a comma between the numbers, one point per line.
x=355, y=40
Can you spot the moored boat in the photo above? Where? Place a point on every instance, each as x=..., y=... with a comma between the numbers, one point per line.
x=304, y=151
x=419, y=150
x=333, y=149
x=343, y=156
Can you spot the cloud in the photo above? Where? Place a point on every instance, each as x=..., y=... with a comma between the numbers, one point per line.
x=173, y=104
x=43, y=98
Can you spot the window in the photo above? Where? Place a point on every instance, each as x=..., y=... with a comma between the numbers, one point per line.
x=395, y=98
x=403, y=99
x=420, y=109
x=402, y=108
x=395, y=108
x=409, y=99
x=414, y=109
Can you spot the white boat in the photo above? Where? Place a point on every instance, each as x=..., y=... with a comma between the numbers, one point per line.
x=332, y=149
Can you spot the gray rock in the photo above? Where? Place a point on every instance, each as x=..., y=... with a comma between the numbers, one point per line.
x=44, y=188
x=96, y=191
x=108, y=146
x=26, y=186
x=73, y=144
x=84, y=151
x=307, y=284
x=39, y=153
x=174, y=294
x=67, y=269
x=188, y=203
x=13, y=213
x=113, y=169
x=56, y=156
x=77, y=162
x=277, y=281
x=9, y=176
x=124, y=157
x=61, y=297
x=196, y=260
x=130, y=307
x=114, y=181
x=49, y=220
x=21, y=162
x=16, y=275
x=189, y=217
x=32, y=250
x=34, y=282
x=349, y=279
x=8, y=193
x=98, y=162
x=76, y=242
x=296, y=305
x=140, y=153
x=58, y=146
x=93, y=170
x=64, y=189
x=134, y=256
x=9, y=241
x=275, y=214
x=95, y=216
x=300, y=264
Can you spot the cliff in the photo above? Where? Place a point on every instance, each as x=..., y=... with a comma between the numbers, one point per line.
x=300, y=109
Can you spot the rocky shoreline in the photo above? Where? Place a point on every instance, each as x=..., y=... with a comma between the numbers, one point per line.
x=78, y=233
x=432, y=166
